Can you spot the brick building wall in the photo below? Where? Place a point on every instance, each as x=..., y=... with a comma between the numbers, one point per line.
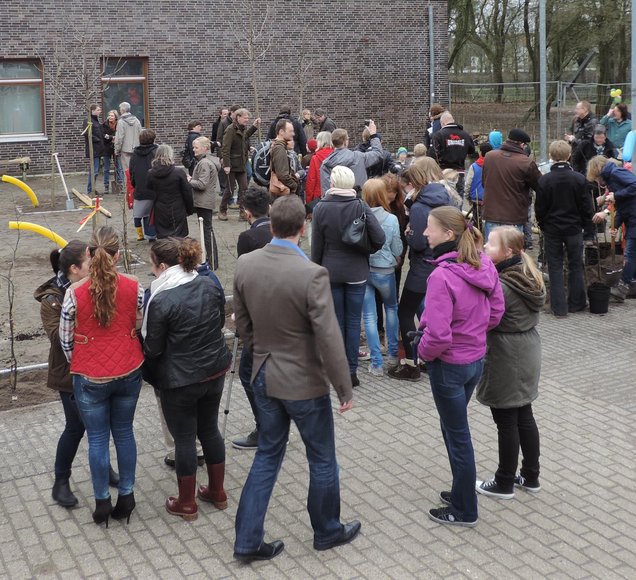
x=368, y=59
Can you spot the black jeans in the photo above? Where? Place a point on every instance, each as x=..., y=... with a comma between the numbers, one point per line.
x=192, y=411
x=409, y=303
x=70, y=437
x=231, y=179
x=211, y=251
x=516, y=428
x=554, y=250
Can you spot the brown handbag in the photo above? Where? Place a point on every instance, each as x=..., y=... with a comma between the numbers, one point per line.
x=276, y=187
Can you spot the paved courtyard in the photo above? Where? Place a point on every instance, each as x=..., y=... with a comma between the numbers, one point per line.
x=581, y=525
x=393, y=465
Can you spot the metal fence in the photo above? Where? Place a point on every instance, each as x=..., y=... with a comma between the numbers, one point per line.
x=484, y=107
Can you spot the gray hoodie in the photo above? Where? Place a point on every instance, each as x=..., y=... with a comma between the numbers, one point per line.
x=127, y=134
x=357, y=161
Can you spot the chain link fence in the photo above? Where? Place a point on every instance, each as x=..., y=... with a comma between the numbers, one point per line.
x=485, y=107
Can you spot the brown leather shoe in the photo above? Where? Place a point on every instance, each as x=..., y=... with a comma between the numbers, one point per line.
x=214, y=492
x=223, y=216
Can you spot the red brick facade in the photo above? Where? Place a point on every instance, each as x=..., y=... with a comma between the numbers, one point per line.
x=368, y=59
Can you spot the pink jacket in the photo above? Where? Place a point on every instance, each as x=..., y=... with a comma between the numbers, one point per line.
x=462, y=304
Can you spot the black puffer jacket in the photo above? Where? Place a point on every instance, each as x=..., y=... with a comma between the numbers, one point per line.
x=140, y=163
x=172, y=195
x=184, y=342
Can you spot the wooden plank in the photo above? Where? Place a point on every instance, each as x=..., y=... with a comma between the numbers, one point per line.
x=86, y=200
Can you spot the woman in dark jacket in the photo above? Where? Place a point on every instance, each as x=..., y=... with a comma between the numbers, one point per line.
x=424, y=175
x=510, y=381
x=187, y=357
x=140, y=164
x=189, y=158
x=621, y=188
x=110, y=128
x=70, y=264
x=348, y=267
x=171, y=194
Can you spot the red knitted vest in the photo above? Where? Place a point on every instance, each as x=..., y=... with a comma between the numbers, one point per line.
x=111, y=352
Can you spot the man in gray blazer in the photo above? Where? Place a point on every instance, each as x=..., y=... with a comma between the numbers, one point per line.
x=285, y=314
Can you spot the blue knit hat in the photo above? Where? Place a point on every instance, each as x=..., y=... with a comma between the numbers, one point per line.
x=402, y=150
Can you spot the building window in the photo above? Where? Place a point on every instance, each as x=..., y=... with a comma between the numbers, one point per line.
x=126, y=79
x=21, y=98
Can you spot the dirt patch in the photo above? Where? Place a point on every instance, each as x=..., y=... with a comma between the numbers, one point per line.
x=30, y=390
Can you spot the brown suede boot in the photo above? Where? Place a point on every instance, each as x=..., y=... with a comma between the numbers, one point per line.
x=214, y=492
x=184, y=505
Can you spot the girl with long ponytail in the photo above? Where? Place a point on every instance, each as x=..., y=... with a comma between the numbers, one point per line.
x=463, y=302
x=511, y=374
x=98, y=336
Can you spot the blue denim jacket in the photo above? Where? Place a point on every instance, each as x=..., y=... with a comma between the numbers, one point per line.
x=385, y=257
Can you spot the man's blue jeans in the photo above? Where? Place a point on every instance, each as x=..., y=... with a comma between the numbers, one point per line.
x=314, y=420
x=452, y=386
x=489, y=226
x=629, y=268
x=105, y=408
x=385, y=285
x=96, y=164
x=245, y=376
x=347, y=300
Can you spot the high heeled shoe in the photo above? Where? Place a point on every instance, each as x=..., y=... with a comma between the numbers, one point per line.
x=103, y=509
x=124, y=507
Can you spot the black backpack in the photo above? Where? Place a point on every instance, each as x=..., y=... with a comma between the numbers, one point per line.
x=261, y=161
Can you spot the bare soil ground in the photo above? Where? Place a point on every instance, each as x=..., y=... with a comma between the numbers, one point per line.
x=31, y=268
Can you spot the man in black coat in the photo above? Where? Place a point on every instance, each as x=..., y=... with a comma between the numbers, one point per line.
x=598, y=144
x=256, y=205
x=450, y=146
x=99, y=146
x=300, y=142
x=564, y=208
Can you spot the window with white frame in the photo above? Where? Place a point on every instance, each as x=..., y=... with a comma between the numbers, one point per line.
x=21, y=98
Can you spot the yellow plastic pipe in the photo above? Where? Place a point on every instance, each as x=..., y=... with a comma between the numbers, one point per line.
x=46, y=232
x=24, y=187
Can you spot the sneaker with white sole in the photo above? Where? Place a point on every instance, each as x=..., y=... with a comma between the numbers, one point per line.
x=445, y=516
x=493, y=489
x=376, y=371
x=531, y=486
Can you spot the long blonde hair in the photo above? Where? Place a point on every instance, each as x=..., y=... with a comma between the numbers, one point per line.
x=103, y=249
x=469, y=238
x=511, y=238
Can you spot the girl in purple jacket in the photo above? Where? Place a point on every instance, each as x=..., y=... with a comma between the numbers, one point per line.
x=463, y=302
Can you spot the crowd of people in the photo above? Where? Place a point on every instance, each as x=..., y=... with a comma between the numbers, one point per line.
x=466, y=312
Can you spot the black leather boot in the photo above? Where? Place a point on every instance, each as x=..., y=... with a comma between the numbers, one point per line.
x=125, y=506
x=62, y=493
x=103, y=509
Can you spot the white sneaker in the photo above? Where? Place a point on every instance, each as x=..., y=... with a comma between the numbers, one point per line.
x=375, y=371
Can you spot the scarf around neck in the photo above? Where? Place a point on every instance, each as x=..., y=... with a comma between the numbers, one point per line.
x=171, y=278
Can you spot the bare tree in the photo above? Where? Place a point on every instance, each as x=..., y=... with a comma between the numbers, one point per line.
x=251, y=28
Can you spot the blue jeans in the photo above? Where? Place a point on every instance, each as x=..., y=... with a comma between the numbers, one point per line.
x=347, y=300
x=70, y=438
x=314, y=420
x=119, y=172
x=629, y=268
x=105, y=408
x=489, y=226
x=385, y=285
x=245, y=376
x=452, y=386
x=96, y=164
